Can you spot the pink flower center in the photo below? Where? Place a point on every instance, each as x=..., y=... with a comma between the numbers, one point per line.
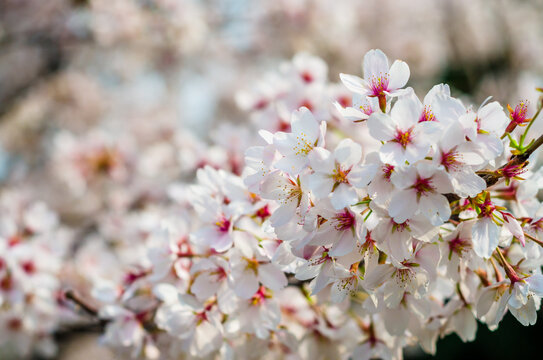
x=14, y=240
x=344, y=101
x=379, y=84
x=223, y=224
x=307, y=76
x=450, y=160
x=263, y=212
x=261, y=104
x=308, y=104
x=344, y=221
x=132, y=276
x=260, y=296
x=366, y=109
x=423, y=186
x=400, y=227
x=518, y=116
x=220, y=273
x=512, y=171
x=458, y=245
x=537, y=225
x=321, y=259
x=387, y=171
x=28, y=267
x=404, y=137
x=487, y=208
x=427, y=114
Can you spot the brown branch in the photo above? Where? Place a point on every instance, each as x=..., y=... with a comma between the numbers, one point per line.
x=82, y=304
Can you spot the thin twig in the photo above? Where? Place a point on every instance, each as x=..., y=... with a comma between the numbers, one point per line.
x=76, y=299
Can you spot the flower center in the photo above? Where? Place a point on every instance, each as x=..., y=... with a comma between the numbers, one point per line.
x=15, y=324
x=340, y=176
x=400, y=227
x=366, y=109
x=405, y=275
x=379, y=84
x=260, y=296
x=427, y=114
x=458, y=245
x=307, y=76
x=6, y=283
x=223, y=224
x=450, y=160
x=252, y=264
x=344, y=221
x=404, y=137
x=344, y=101
x=519, y=115
x=303, y=146
x=423, y=186
x=263, y=212
x=28, y=267
x=387, y=171
x=487, y=208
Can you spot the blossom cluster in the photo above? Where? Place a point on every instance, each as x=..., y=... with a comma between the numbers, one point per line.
x=33, y=247
x=404, y=222
x=338, y=245
x=364, y=220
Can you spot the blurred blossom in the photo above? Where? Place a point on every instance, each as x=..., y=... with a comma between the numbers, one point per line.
x=150, y=162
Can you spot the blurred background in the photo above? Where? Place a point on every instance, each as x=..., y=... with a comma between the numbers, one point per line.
x=151, y=73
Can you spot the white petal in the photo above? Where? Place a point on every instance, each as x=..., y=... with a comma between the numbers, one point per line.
x=360, y=176
x=392, y=153
x=526, y=314
x=321, y=160
x=467, y=183
x=399, y=75
x=436, y=208
x=375, y=64
x=320, y=184
x=350, y=113
x=246, y=285
x=381, y=126
x=485, y=301
x=354, y=83
x=166, y=292
x=343, y=196
x=204, y=286
x=284, y=214
x=536, y=284
x=302, y=121
x=344, y=245
x=404, y=177
x=403, y=205
x=485, y=237
x=222, y=242
x=272, y=277
x=348, y=153
x=492, y=117
x=406, y=112
x=464, y=324
x=396, y=320
x=513, y=226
